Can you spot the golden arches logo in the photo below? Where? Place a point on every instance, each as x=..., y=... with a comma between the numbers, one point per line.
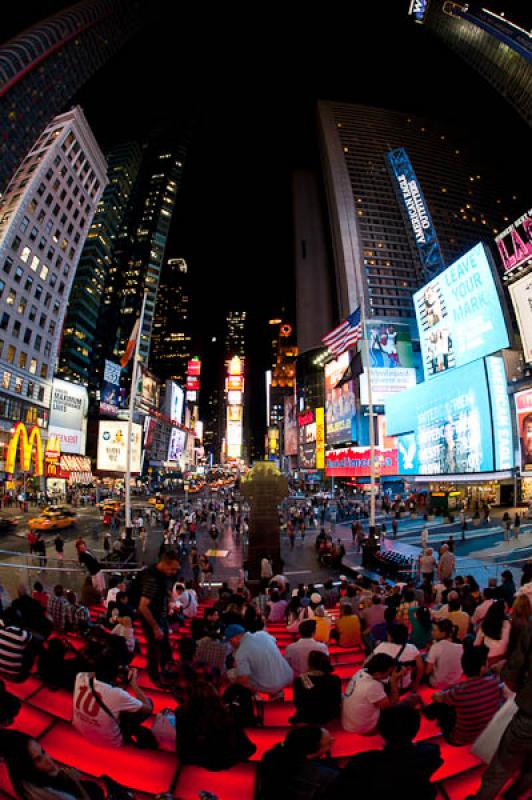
x=26, y=443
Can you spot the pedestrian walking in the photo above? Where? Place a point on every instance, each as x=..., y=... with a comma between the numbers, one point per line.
x=517, y=526
x=395, y=526
x=507, y=524
x=143, y=536
x=154, y=587
x=59, y=544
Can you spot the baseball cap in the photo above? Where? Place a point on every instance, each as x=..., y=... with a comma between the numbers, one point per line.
x=233, y=630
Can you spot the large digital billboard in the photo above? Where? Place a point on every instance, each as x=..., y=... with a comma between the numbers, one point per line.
x=339, y=402
x=416, y=210
x=68, y=413
x=174, y=401
x=355, y=462
x=523, y=407
x=521, y=295
x=110, y=394
x=307, y=440
x=450, y=424
x=459, y=315
x=515, y=243
x=290, y=426
x=177, y=445
x=391, y=362
x=148, y=395
x=112, y=446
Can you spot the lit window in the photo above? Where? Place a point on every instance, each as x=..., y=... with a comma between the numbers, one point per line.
x=26, y=253
x=44, y=272
x=35, y=263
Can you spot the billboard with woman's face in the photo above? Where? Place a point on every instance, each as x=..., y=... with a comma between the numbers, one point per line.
x=523, y=406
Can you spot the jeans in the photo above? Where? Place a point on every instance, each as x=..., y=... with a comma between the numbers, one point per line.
x=514, y=755
x=159, y=652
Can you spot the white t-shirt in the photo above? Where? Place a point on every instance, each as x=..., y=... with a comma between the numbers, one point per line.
x=359, y=712
x=91, y=720
x=409, y=653
x=111, y=596
x=446, y=657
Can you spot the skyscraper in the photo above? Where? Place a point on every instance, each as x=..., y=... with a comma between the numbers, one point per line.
x=142, y=242
x=235, y=335
x=42, y=68
x=376, y=257
x=44, y=218
x=496, y=47
x=171, y=326
x=97, y=259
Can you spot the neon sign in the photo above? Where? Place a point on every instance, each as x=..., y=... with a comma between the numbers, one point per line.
x=515, y=243
x=26, y=443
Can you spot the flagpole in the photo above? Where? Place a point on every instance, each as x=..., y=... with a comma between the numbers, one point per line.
x=132, y=398
x=371, y=426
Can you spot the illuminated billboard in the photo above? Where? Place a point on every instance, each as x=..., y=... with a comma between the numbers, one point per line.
x=523, y=407
x=458, y=424
x=417, y=211
x=68, y=413
x=194, y=367
x=459, y=315
x=391, y=362
x=174, y=401
x=148, y=396
x=320, y=438
x=521, y=295
x=339, y=402
x=355, y=462
x=290, y=427
x=177, y=445
x=418, y=9
x=234, y=434
x=110, y=394
x=307, y=440
x=515, y=243
x=112, y=446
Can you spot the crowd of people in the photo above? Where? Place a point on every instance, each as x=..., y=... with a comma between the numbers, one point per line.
x=437, y=647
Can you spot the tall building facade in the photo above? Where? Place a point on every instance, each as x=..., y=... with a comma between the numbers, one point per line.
x=374, y=246
x=42, y=68
x=45, y=215
x=142, y=245
x=235, y=335
x=96, y=263
x=171, y=339
x=496, y=47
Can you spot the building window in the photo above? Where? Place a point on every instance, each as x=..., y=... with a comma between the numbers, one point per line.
x=42, y=320
x=27, y=336
x=8, y=263
x=35, y=263
x=38, y=292
x=24, y=224
x=26, y=253
x=28, y=284
x=19, y=382
x=42, y=243
x=51, y=328
x=31, y=386
x=19, y=273
x=44, y=370
x=22, y=305
x=11, y=352
x=4, y=321
x=44, y=272
x=40, y=395
x=33, y=313
x=11, y=297
x=22, y=360
x=15, y=244
x=47, y=349
x=47, y=300
x=6, y=379
x=33, y=368
x=2, y=287
x=37, y=343
x=33, y=234
x=16, y=328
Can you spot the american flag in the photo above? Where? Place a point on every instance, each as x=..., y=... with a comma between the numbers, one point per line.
x=345, y=335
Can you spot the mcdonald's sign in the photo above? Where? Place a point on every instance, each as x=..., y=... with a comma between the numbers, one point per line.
x=20, y=439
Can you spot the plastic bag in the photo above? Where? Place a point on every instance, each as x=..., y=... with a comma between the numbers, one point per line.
x=163, y=729
x=485, y=746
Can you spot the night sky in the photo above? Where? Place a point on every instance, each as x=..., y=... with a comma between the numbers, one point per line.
x=250, y=78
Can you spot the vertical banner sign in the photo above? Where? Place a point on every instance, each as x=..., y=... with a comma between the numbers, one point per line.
x=417, y=211
x=523, y=407
x=521, y=294
x=500, y=411
x=320, y=438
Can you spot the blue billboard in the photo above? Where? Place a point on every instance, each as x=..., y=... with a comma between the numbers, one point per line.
x=417, y=211
x=461, y=424
x=459, y=315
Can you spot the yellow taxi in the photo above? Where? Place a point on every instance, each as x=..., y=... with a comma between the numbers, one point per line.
x=111, y=506
x=53, y=520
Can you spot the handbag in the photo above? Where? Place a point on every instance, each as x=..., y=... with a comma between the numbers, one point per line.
x=485, y=746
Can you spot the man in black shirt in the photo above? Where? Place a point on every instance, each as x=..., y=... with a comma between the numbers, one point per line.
x=406, y=766
x=155, y=585
x=93, y=566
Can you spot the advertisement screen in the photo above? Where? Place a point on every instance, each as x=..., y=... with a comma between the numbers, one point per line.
x=177, y=445
x=521, y=295
x=68, y=412
x=234, y=398
x=234, y=434
x=307, y=446
x=355, y=462
x=148, y=396
x=234, y=413
x=339, y=402
x=194, y=367
x=449, y=425
x=174, y=401
x=110, y=394
x=290, y=426
x=459, y=315
x=391, y=362
x=523, y=407
x=112, y=446
x=272, y=438
x=515, y=243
